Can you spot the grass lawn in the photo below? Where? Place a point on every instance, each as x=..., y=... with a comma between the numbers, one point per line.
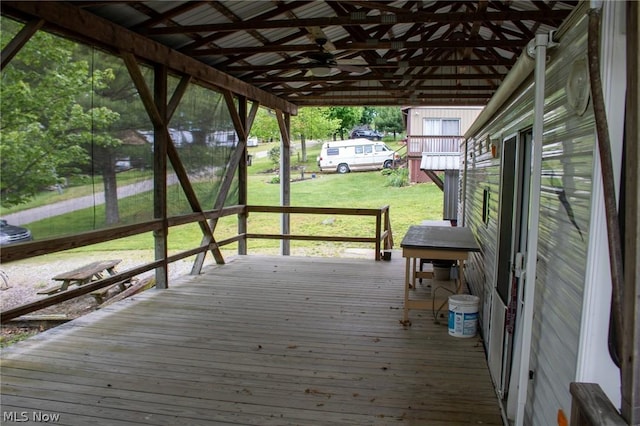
x=408, y=205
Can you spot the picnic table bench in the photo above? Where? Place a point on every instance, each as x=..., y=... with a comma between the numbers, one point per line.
x=86, y=274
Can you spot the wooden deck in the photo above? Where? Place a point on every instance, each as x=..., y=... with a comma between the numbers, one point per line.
x=259, y=341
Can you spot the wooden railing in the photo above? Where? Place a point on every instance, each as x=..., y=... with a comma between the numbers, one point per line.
x=591, y=407
x=382, y=240
x=417, y=144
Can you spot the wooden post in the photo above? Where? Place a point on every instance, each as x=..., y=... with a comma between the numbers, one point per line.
x=590, y=406
x=160, y=143
x=388, y=241
x=630, y=369
x=284, y=122
x=378, y=234
x=243, y=178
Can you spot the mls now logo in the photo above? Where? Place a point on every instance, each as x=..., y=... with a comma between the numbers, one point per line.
x=26, y=416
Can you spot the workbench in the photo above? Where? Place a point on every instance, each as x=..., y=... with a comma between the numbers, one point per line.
x=437, y=243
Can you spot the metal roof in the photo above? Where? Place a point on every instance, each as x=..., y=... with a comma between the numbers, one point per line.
x=437, y=161
x=378, y=52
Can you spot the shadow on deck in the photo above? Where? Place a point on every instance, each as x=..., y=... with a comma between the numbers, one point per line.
x=262, y=341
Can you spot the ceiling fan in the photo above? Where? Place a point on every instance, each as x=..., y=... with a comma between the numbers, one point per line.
x=323, y=62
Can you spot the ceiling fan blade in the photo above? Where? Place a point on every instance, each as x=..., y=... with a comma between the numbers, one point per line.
x=352, y=68
x=321, y=57
x=356, y=61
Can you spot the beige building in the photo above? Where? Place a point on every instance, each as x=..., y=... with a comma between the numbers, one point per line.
x=435, y=129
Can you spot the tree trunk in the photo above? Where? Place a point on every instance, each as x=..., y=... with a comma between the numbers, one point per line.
x=303, y=146
x=112, y=214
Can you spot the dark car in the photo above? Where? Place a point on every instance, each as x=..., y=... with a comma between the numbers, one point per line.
x=10, y=234
x=368, y=134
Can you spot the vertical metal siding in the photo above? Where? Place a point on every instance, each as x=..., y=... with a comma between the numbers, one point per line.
x=562, y=248
x=483, y=172
x=569, y=141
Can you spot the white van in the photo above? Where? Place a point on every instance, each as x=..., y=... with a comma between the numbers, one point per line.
x=355, y=154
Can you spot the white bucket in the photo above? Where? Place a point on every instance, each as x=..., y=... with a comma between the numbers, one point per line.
x=463, y=315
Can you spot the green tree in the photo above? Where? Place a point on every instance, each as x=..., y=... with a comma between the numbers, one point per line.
x=119, y=95
x=389, y=119
x=265, y=125
x=368, y=116
x=314, y=123
x=348, y=116
x=44, y=128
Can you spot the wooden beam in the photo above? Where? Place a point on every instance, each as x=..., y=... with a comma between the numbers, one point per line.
x=388, y=66
x=350, y=211
x=19, y=40
x=162, y=132
x=435, y=178
x=330, y=238
x=382, y=90
x=21, y=251
x=358, y=20
x=355, y=46
x=160, y=114
x=81, y=25
x=146, y=96
x=238, y=123
x=630, y=369
x=223, y=191
x=375, y=97
x=301, y=77
x=178, y=93
x=356, y=101
x=252, y=115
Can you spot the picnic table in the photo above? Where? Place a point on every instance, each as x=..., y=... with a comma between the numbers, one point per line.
x=83, y=275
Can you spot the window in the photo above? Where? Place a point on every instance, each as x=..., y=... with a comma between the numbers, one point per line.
x=368, y=149
x=359, y=149
x=333, y=151
x=381, y=148
x=441, y=127
x=486, y=197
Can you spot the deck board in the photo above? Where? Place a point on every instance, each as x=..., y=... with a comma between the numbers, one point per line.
x=260, y=340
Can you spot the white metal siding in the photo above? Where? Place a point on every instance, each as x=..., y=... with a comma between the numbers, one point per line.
x=562, y=246
x=567, y=164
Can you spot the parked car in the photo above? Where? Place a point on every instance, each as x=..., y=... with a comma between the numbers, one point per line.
x=367, y=134
x=10, y=234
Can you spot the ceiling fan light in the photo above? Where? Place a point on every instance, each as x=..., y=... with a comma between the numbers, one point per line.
x=320, y=71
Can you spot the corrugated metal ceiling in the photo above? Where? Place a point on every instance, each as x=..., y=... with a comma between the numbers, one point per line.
x=376, y=52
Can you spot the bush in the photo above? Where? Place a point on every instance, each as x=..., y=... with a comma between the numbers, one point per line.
x=387, y=172
x=274, y=155
x=398, y=178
